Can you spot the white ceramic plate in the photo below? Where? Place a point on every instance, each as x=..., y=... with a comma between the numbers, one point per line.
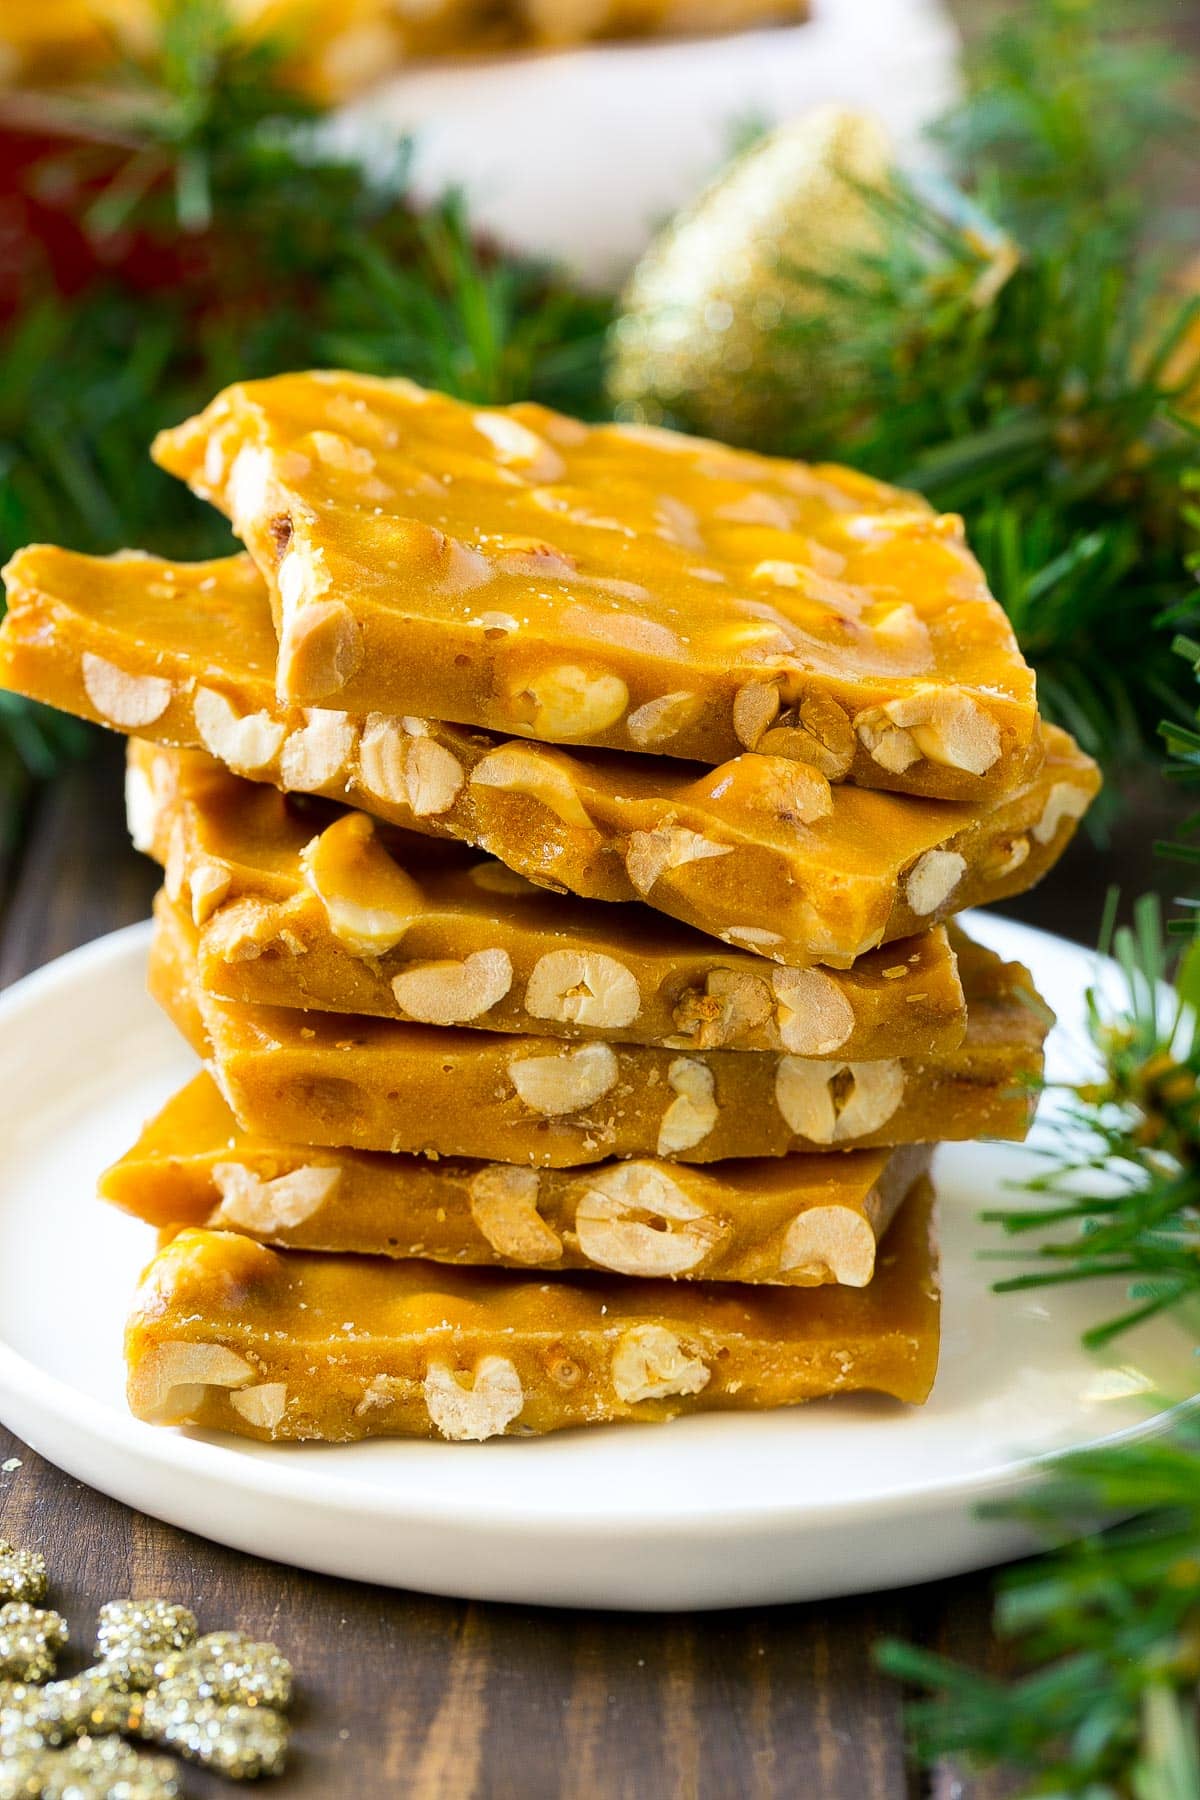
x=831, y=1498
x=579, y=155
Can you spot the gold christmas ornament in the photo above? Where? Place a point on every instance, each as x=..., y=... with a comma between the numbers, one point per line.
x=134, y=1636
x=30, y=1640
x=697, y=340
x=87, y=1769
x=22, y=1574
x=218, y=1700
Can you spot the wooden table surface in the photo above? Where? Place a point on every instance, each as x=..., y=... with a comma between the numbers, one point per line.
x=407, y=1695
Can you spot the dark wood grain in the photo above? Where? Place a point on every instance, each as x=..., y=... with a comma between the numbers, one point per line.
x=406, y=1694
x=433, y=1699
x=402, y=1694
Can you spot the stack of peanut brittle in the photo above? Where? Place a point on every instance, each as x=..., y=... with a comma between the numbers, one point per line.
x=561, y=830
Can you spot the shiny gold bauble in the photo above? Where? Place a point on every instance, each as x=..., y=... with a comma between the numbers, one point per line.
x=698, y=339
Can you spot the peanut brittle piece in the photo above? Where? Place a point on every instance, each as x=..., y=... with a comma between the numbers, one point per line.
x=611, y=585
x=578, y=21
x=455, y=27
x=282, y=1344
x=300, y=904
x=761, y=852
x=377, y=1084
x=798, y=1221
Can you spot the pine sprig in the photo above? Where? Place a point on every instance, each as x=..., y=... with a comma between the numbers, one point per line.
x=1046, y=399
x=486, y=328
x=233, y=237
x=1015, y=347
x=1108, y=1627
x=1182, y=741
x=1074, y=117
x=185, y=118
x=1125, y=1173
x=1105, y=1631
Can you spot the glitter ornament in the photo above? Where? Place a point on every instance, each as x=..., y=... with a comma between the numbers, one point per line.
x=229, y=1667
x=698, y=339
x=17, y=1736
x=22, y=1574
x=87, y=1704
x=30, y=1639
x=219, y=1700
x=133, y=1637
x=90, y=1769
x=241, y=1742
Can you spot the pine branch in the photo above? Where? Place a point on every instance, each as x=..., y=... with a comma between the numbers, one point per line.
x=1076, y=107
x=1105, y=1631
x=233, y=238
x=1108, y=1627
x=487, y=328
x=1012, y=347
x=1125, y=1168
x=1050, y=417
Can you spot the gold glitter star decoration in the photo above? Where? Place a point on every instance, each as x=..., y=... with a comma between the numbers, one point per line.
x=30, y=1640
x=88, y=1769
x=22, y=1574
x=218, y=1700
x=133, y=1637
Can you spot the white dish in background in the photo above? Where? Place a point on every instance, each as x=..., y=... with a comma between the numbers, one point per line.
x=836, y=1497
x=579, y=155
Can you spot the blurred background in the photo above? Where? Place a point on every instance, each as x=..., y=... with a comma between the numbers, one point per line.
x=954, y=244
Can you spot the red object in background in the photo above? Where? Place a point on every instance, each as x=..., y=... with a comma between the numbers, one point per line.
x=49, y=179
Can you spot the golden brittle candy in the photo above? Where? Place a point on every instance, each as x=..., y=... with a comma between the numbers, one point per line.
x=611, y=585
x=760, y=852
x=45, y=41
x=332, y=47
x=336, y=47
x=797, y=1220
x=279, y=1344
x=300, y=904
x=376, y=1084
x=457, y=27
x=576, y=21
